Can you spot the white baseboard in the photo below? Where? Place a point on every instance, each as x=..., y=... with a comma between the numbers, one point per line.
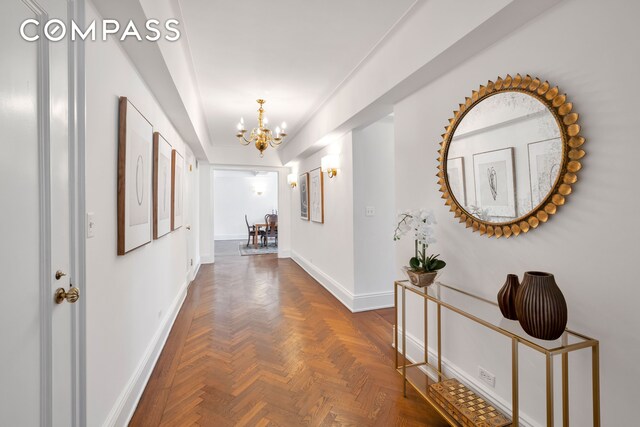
x=230, y=237
x=355, y=303
x=206, y=258
x=337, y=290
x=415, y=352
x=284, y=254
x=372, y=301
x=194, y=272
x=126, y=404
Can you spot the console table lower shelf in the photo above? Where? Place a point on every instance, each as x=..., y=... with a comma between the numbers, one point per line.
x=460, y=406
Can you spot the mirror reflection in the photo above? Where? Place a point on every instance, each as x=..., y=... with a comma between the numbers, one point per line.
x=504, y=157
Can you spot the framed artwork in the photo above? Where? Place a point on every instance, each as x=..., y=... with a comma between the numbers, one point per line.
x=303, y=182
x=544, y=166
x=455, y=173
x=135, y=151
x=316, y=196
x=494, y=182
x=177, y=185
x=161, y=186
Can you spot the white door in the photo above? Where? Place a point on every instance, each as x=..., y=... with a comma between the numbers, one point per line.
x=36, y=334
x=191, y=194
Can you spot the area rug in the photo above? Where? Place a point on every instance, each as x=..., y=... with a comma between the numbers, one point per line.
x=252, y=250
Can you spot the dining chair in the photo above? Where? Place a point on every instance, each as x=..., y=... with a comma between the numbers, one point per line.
x=251, y=231
x=272, y=229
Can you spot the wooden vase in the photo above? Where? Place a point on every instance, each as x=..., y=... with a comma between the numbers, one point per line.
x=507, y=297
x=540, y=306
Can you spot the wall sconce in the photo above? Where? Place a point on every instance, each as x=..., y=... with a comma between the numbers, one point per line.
x=330, y=164
x=292, y=180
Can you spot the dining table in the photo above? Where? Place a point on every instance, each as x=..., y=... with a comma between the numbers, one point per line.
x=257, y=227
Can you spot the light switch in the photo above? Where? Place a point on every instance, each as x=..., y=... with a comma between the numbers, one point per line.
x=369, y=211
x=91, y=225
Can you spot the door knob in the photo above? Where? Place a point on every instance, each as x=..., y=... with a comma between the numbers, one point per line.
x=60, y=274
x=72, y=295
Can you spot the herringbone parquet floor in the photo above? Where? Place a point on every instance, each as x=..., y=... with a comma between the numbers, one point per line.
x=259, y=343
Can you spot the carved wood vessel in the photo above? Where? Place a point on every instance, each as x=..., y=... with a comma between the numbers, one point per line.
x=507, y=297
x=540, y=306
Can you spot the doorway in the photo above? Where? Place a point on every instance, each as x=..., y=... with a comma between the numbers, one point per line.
x=246, y=212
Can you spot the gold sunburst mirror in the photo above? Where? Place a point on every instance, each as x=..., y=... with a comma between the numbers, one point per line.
x=509, y=156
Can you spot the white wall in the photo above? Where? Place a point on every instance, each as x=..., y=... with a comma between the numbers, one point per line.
x=351, y=254
x=236, y=196
x=326, y=250
x=374, y=186
x=131, y=299
x=588, y=245
x=206, y=213
x=240, y=155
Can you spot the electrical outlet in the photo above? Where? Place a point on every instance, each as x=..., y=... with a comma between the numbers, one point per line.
x=487, y=376
x=191, y=261
x=369, y=211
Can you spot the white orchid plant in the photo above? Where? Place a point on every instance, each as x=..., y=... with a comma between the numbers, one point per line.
x=420, y=224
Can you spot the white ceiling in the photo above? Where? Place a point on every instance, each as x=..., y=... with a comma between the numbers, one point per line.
x=293, y=53
x=225, y=173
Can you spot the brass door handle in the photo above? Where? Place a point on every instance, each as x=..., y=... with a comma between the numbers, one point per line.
x=60, y=274
x=72, y=295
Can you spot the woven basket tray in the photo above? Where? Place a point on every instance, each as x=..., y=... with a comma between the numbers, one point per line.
x=465, y=406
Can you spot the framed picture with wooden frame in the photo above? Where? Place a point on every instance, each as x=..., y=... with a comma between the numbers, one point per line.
x=316, y=196
x=162, y=153
x=303, y=181
x=135, y=151
x=177, y=185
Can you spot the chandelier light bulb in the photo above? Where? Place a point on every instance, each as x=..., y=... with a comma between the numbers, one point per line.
x=242, y=121
x=239, y=126
x=277, y=130
x=266, y=121
x=284, y=126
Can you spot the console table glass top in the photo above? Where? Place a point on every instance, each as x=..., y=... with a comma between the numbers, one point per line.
x=487, y=313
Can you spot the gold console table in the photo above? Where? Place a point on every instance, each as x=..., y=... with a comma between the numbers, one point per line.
x=486, y=313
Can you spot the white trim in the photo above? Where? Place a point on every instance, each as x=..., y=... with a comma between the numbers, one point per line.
x=354, y=302
x=415, y=352
x=372, y=301
x=284, y=254
x=127, y=402
x=337, y=290
x=193, y=272
x=77, y=211
x=44, y=208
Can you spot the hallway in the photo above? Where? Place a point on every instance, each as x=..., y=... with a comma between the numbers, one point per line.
x=259, y=343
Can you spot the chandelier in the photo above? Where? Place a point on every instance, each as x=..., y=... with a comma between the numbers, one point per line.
x=262, y=136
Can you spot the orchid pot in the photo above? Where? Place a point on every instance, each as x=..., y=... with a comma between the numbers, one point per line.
x=423, y=269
